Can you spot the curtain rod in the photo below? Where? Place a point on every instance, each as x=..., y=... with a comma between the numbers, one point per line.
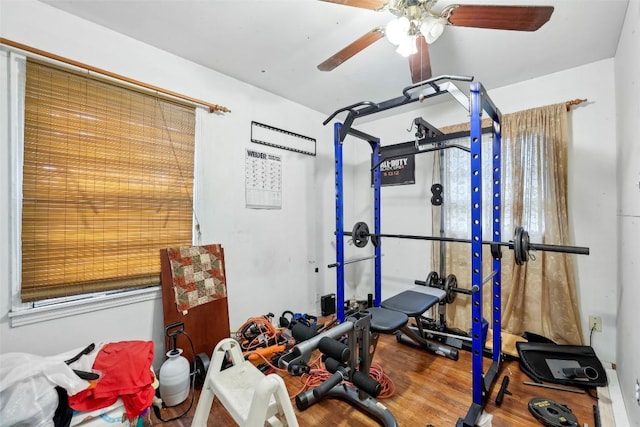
x=212, y=107
x=573, y=102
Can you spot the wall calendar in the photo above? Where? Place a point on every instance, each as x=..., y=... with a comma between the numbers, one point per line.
x=263, y=179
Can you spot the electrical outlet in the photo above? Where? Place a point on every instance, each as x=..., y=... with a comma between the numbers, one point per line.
x=595, y=323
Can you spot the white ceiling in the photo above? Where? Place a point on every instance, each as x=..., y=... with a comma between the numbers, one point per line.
x=277, y=44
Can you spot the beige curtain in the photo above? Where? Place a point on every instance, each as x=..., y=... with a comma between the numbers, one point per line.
x=539, y=296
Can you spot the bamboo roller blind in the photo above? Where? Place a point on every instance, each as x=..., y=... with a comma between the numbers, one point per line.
x=108, y=179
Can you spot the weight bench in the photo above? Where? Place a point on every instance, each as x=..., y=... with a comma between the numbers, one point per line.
x=393, y=315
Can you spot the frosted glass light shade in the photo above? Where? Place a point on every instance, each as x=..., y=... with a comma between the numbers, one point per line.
x=432, y=28
x=397, y=30
x=408, y=46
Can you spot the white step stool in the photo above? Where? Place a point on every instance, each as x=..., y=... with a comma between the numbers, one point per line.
x=252, y=399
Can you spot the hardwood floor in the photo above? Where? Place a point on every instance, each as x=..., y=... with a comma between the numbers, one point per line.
x=429, y=389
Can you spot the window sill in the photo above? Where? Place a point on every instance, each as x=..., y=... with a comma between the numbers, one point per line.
x=72, y=308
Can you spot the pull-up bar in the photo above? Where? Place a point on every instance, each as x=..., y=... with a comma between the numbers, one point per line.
x=409, y=94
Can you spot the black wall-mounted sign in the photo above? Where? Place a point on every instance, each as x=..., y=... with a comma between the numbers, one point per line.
x=397, y=171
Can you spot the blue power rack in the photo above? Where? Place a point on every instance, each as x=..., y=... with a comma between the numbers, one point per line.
x=478, y=102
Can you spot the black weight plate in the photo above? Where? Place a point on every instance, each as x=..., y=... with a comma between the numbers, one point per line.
x=436, y=200
x=517, y=246
x=202, y=366
x=521, y=246
x=436, y=189
x=432, y=279
x=525, y=243
x=360, y=234
x=552, y=414
x=450, y=283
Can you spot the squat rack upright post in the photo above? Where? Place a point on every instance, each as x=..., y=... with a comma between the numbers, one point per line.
x=478, y=102
x=339, y=186
x=482, y=384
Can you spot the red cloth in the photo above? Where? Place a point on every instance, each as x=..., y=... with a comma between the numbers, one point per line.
x=126, y=373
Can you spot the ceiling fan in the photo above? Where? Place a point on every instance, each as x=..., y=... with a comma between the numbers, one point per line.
x=417, y=25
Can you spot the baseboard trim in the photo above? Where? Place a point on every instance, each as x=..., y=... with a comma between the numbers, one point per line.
x=610, y=402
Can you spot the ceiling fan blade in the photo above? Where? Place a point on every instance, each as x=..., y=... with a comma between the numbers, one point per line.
x=519, y=18
x=419, y=62
x=364, y=4
x=355, y=47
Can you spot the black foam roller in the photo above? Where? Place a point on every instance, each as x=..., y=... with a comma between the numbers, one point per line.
x=367, y=384
x=334, y=349
x=302, y=332
x=332, y=365
x=304, y=400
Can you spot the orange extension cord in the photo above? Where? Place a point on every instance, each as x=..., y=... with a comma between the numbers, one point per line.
x=317, y=374
x=263, y=333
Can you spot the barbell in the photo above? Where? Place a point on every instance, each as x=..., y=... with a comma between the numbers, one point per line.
x=521, y=245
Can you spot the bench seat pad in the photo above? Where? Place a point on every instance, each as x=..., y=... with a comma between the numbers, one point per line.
x=411, y=303
x=386, y=321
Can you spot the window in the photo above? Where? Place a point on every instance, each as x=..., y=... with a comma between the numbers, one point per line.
x=107, y=181
x=540, y=297
x=457, y=189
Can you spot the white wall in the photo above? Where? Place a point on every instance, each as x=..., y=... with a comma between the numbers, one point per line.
x=627, y=72
x=592, y=187
x=270, y=255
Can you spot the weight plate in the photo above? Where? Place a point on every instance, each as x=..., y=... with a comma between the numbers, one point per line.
x=432, y=279
x=521, y=246
x=360, y=234
x=552, y=414
x=517, y=249
x=436, y=189
x=450, y=283
x=202, y=366
x=525, y=243
x=436, y=200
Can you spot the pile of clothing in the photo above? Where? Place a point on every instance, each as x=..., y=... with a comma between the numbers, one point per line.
x=47, y=391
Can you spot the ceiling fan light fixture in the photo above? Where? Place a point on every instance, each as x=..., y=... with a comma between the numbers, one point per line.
x=432, y=28
x=397, y=30
x=416, y=18
x=408, y=46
